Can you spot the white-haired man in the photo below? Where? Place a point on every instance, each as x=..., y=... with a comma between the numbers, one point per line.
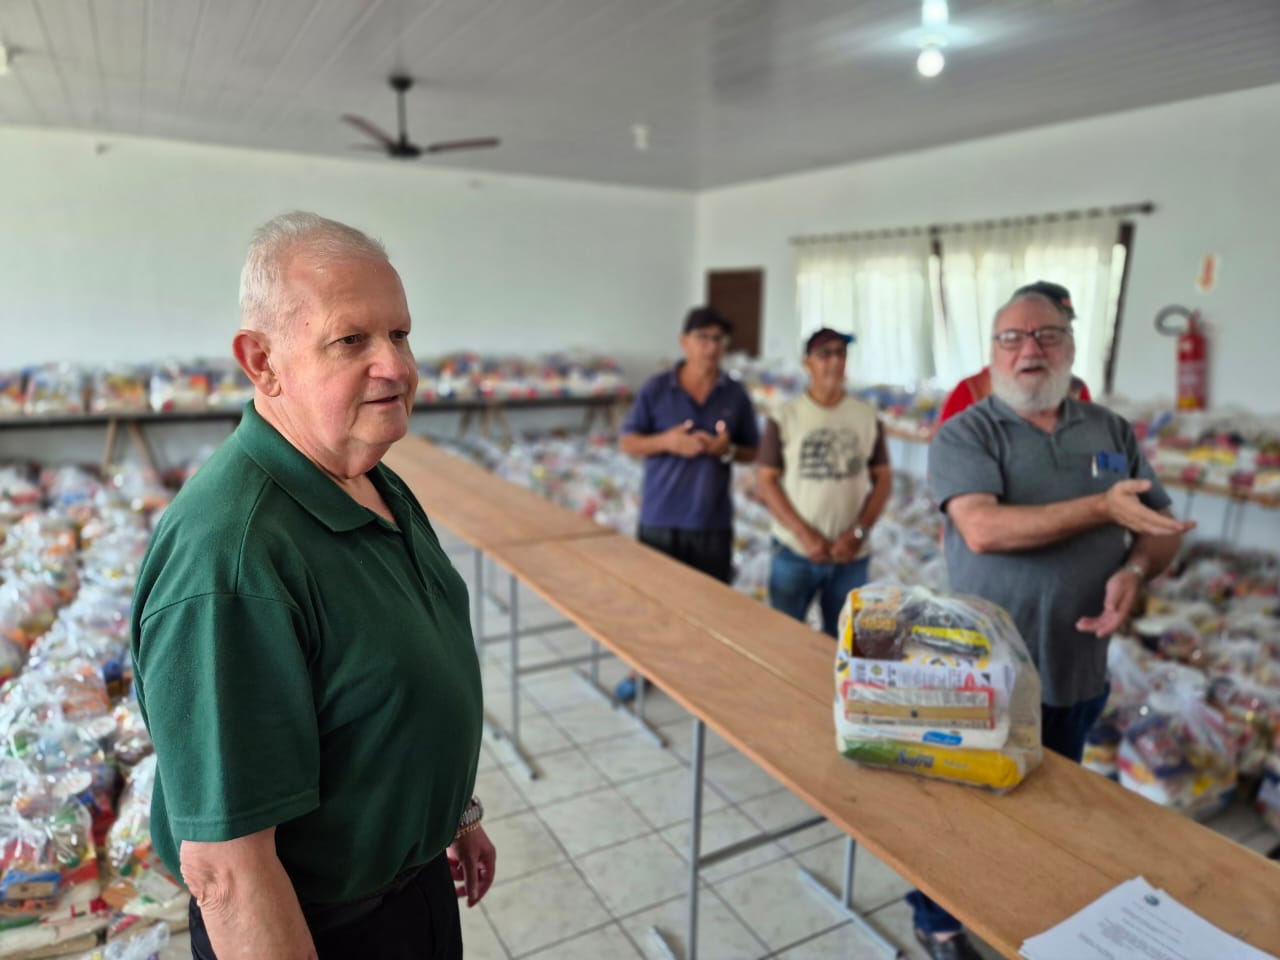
x=1053, y=513
x=302, y=651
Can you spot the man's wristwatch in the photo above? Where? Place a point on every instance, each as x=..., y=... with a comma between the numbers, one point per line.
x=471, y=817
x=859, y=533
x=728, y=455
x=1138, y=570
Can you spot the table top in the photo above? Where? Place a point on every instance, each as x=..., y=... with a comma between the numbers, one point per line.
x=1010, y=866
x=483, y=509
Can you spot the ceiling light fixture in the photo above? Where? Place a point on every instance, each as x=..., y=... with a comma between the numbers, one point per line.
x=934, y=13
x=931, y=61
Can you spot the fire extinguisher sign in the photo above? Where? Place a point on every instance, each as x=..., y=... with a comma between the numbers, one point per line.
x=1208, y=277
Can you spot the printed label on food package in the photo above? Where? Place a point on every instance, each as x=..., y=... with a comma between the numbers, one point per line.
x=890, y=673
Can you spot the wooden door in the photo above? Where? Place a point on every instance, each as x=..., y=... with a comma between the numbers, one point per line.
x=739, y=296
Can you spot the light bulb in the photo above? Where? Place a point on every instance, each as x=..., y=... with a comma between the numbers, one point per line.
x=930, y=62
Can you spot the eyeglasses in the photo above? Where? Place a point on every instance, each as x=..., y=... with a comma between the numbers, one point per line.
x=1047, y=337
x=716, y=339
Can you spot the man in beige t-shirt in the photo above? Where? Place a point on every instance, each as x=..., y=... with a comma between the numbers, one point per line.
x=824, y=475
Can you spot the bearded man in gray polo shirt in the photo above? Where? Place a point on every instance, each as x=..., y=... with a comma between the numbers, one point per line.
x=1053, y=513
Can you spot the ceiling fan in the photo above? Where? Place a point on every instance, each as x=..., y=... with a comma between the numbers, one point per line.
x=402, y=148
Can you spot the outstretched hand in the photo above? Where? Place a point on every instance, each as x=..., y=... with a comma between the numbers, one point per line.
x=1123, y=588
x=1124, y=507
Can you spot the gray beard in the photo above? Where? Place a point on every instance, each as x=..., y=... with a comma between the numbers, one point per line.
x=1048, y=396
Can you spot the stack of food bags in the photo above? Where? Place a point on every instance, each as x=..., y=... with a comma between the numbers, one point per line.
x=936, y=685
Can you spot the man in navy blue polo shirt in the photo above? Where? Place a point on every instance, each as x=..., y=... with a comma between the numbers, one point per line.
x=690, y=423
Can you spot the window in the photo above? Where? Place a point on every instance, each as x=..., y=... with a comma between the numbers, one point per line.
x=879, y=291
x=922, y=303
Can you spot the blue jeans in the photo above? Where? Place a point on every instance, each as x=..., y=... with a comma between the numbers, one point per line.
x=794, y=580
x=1062, y=730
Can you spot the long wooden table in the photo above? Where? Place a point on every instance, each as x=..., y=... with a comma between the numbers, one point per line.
x=1008, y=866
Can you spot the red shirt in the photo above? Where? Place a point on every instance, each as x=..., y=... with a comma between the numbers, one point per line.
x=978, y=387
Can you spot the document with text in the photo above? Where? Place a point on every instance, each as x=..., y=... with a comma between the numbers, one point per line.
x=1135, y=921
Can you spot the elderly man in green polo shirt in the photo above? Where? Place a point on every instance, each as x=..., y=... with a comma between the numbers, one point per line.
x=301, y=644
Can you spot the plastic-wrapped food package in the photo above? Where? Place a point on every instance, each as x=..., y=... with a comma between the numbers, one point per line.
x=120, y=390
x=139, y=488
x=936, y=685
x=12, y=392
x=229, y=387
x=57, y=388
x=135, y=872
x=145, y=945
x=179, y=386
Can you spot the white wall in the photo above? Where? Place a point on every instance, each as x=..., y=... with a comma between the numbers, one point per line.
x=1210, y=166
x=134, y=252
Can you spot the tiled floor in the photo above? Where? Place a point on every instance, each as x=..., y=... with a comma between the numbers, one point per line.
x=592, y=854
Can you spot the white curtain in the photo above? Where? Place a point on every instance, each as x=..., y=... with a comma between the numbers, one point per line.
x=981, y=267
x=878, y=290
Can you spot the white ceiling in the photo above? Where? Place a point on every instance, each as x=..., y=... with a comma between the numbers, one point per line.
x=730, y=90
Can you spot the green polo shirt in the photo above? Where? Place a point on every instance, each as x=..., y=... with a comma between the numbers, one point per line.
x=303, y=664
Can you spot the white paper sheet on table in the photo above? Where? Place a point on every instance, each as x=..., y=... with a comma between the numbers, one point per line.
x=1135, y=921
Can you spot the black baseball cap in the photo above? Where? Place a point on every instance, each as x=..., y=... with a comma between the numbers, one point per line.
x=700, y=317
x=1056, y=292
x=825, y=335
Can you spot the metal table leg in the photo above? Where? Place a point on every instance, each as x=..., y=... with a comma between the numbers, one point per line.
x=845, y=901
x=697, y=765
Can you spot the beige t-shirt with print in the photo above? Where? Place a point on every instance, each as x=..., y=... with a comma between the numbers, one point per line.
x=825, y=455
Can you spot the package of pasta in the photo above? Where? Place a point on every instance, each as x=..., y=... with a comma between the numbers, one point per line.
x=936, y=685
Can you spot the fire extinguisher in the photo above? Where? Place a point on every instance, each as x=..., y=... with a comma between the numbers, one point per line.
x=1193, y=356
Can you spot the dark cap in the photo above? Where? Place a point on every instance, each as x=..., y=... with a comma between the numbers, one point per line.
x=825, y=335
x=700, y=317
x=1053, y=291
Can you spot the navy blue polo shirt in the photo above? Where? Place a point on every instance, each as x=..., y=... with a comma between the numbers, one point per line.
x=683, y=492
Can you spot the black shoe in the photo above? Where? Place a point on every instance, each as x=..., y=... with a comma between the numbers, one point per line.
x=955, y=948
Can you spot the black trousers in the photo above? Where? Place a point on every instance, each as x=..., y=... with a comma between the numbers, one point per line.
x=710, y=551
x=418, y=921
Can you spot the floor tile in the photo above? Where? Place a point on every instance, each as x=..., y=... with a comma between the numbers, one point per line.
x=841, y=943
x=874, y=883
x=607, y=943
x=1263, y=840
x=557, y=690
x=1238, y=821
x=679, y=734
x=635, y=874
x=720, y=829
x=721, y=934
x=538, y=736
x=629, y=756
x=660, y=709
x=563, y=775
x=778, y=905
x=894, y=922
x=543, y=908
x=499, y=795
x=593, y=720
x=523, y=846
x=593, y=820
x=780, y=809
x=666, y=798
x=738, y=777
x=478, y=939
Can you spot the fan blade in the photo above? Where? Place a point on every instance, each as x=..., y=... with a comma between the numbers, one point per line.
x=363, y=125
x=476, y=143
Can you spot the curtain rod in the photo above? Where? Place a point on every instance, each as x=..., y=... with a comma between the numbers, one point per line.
x=937, y=229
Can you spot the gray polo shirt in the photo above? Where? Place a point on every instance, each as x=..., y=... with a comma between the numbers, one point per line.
x=990, y=449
